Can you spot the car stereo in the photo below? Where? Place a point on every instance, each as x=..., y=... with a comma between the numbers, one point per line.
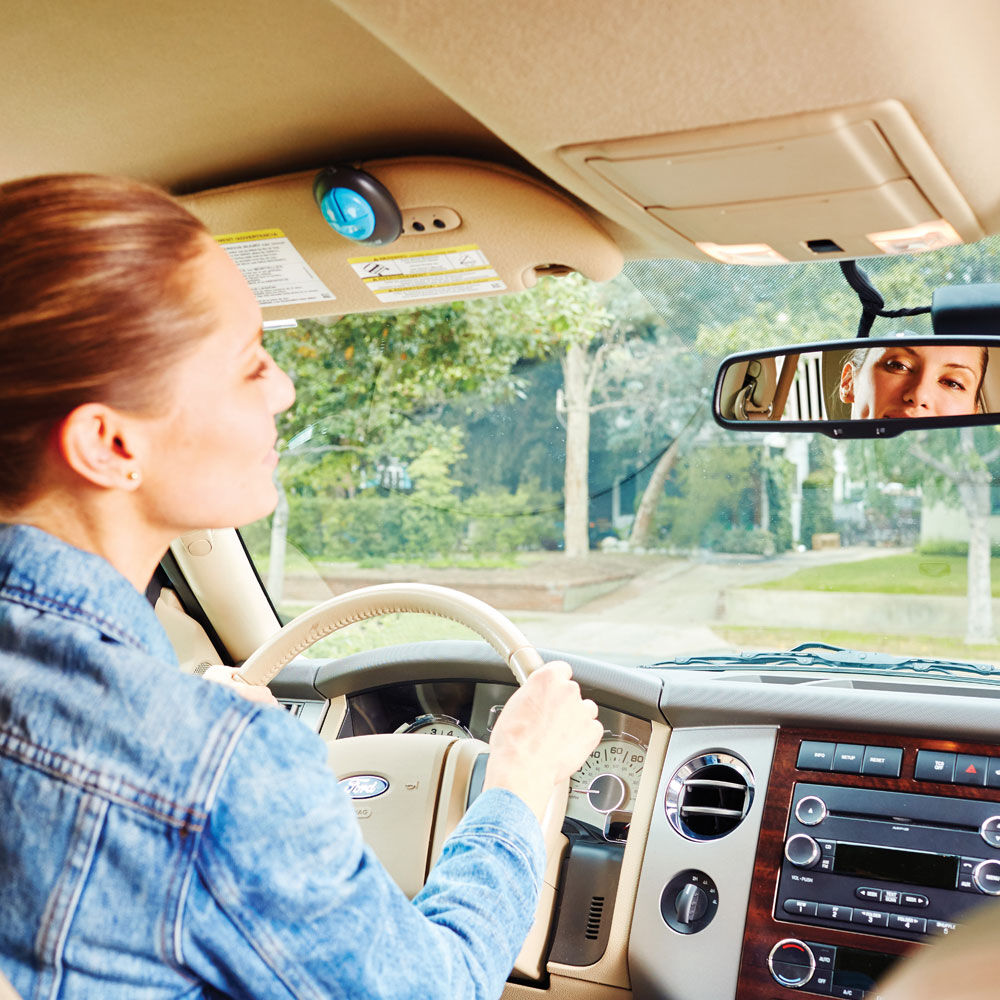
x=892, y=863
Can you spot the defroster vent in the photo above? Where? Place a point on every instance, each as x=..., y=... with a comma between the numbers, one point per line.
x=709, y=796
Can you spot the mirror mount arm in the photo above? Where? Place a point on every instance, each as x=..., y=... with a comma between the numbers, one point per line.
x=872, y=303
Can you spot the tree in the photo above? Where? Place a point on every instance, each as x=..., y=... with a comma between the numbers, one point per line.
x=566, y=318
x=968, y=472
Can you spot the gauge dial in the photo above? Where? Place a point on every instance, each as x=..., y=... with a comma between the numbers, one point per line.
x=608, y=780
x=436, y=725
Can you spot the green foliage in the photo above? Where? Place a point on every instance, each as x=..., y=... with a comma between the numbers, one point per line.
x=715, y=499
x=502, y=522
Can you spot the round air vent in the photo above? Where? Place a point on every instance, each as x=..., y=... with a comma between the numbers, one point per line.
x=709, y=796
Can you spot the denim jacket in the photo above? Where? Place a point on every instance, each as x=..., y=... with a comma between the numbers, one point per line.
x=162, y=837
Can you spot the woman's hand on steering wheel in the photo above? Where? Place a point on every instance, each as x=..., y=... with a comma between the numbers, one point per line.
x=542, y=736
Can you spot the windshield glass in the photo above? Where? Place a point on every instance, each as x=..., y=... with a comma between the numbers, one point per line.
x=554, y=454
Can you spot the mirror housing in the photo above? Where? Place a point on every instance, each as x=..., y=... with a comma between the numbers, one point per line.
x=862, y=388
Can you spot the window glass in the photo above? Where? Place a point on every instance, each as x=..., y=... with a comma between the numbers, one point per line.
x=553, y=453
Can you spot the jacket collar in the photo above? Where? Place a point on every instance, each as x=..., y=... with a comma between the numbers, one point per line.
x=38, y=570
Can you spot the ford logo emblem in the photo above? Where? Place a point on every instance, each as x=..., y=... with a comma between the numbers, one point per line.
x=364, y=786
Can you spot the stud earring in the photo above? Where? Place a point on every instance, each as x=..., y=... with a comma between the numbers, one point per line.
x=132, y=476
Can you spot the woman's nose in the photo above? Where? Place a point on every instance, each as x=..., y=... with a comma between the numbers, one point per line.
x=918, y=391
x=282, y=390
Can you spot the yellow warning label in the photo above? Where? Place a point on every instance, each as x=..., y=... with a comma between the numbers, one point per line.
x=453, y=271
x=415, y=253
x=257, y=234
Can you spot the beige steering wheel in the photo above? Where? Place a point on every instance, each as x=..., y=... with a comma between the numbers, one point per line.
x=385, y=599
x=406, y=825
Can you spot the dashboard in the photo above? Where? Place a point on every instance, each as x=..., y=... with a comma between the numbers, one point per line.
x=746, y=835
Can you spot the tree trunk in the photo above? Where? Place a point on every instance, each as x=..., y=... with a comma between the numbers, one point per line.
x=974, y=492
x=639, y=535
x=576, y=477
x=279, y=536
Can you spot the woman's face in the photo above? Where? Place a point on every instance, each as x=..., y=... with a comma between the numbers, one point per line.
x=208, y=462
x=925, y=381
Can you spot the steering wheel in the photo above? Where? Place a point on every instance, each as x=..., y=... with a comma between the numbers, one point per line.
x=407, y=824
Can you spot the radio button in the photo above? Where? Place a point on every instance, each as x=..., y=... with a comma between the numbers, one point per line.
x=847, y=992
x=848, y=758
x=833, y=911
x=934, y=766
x=799, y=907
x=987, y=877
x=970, y=770
x=942, y=928
x=990, y=831
x=864, y=892
x=872, y=918
x=915, y=899
x=802, y=851
x=882, y=762
x=815, y=756
x=904, y=922
x=810, y=811
x=993, y=773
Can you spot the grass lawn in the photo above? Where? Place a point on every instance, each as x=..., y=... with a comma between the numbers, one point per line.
x=900, y=574
x=752, y=637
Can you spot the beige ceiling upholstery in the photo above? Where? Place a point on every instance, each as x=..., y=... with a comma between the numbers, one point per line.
x=199, y=94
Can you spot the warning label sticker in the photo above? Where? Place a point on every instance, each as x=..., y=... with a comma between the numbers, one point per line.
x=274, y=269
x=433, y=274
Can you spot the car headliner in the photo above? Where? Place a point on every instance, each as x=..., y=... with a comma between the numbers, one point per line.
x=195, y=95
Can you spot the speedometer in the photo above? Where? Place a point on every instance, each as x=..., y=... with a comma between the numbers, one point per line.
x=608, y=780
x=435, y=725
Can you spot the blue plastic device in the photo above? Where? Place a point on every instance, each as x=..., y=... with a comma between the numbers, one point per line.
x=357, y=206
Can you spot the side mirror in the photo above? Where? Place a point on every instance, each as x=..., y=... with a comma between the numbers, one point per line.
x=862, y=388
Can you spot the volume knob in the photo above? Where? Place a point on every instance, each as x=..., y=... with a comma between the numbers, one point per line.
x=802, y=851
x=987, y=877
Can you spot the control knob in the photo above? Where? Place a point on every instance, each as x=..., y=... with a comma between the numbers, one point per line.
x=792, y=962
x=810, y=810
x=987, y=877
x=802, y=851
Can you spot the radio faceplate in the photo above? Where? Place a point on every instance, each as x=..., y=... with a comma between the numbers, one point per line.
x=820, y=790
x=899, y=864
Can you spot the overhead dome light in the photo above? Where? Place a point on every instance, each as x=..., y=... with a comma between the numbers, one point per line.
x=742, y=253
x=916, y=239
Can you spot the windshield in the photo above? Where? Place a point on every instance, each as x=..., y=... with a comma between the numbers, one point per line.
x=554, y=454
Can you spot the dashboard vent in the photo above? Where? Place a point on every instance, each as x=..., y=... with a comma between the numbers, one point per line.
x=709, y=796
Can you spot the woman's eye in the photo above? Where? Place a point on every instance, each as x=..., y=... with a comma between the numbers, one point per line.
x=895, y=366
x=953, y=384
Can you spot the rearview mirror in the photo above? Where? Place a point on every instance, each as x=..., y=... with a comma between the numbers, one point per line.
x=862, y=388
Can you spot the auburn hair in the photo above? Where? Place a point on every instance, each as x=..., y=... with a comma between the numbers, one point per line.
x=97, y=299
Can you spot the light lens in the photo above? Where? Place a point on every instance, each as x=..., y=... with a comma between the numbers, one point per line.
x=916, y=239
x=742, y=253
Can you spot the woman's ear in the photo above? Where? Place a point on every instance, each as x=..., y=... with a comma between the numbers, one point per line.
x=847, y=383
x=94, y=442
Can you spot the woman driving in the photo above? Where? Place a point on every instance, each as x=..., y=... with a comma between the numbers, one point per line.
x=162, y=836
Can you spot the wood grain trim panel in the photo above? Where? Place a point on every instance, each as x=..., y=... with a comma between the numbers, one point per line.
x=763, y=931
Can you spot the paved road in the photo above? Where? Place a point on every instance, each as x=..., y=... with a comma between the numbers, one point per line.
x=668, y=611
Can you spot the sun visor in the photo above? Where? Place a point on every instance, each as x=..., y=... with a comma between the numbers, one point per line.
x=962, y=310
x=469, y=229
x=852, y=182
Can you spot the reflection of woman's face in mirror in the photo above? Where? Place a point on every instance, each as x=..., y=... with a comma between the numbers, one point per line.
x=932, y=381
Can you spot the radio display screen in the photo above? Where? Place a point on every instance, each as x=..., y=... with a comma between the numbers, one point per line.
x=935, y=871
